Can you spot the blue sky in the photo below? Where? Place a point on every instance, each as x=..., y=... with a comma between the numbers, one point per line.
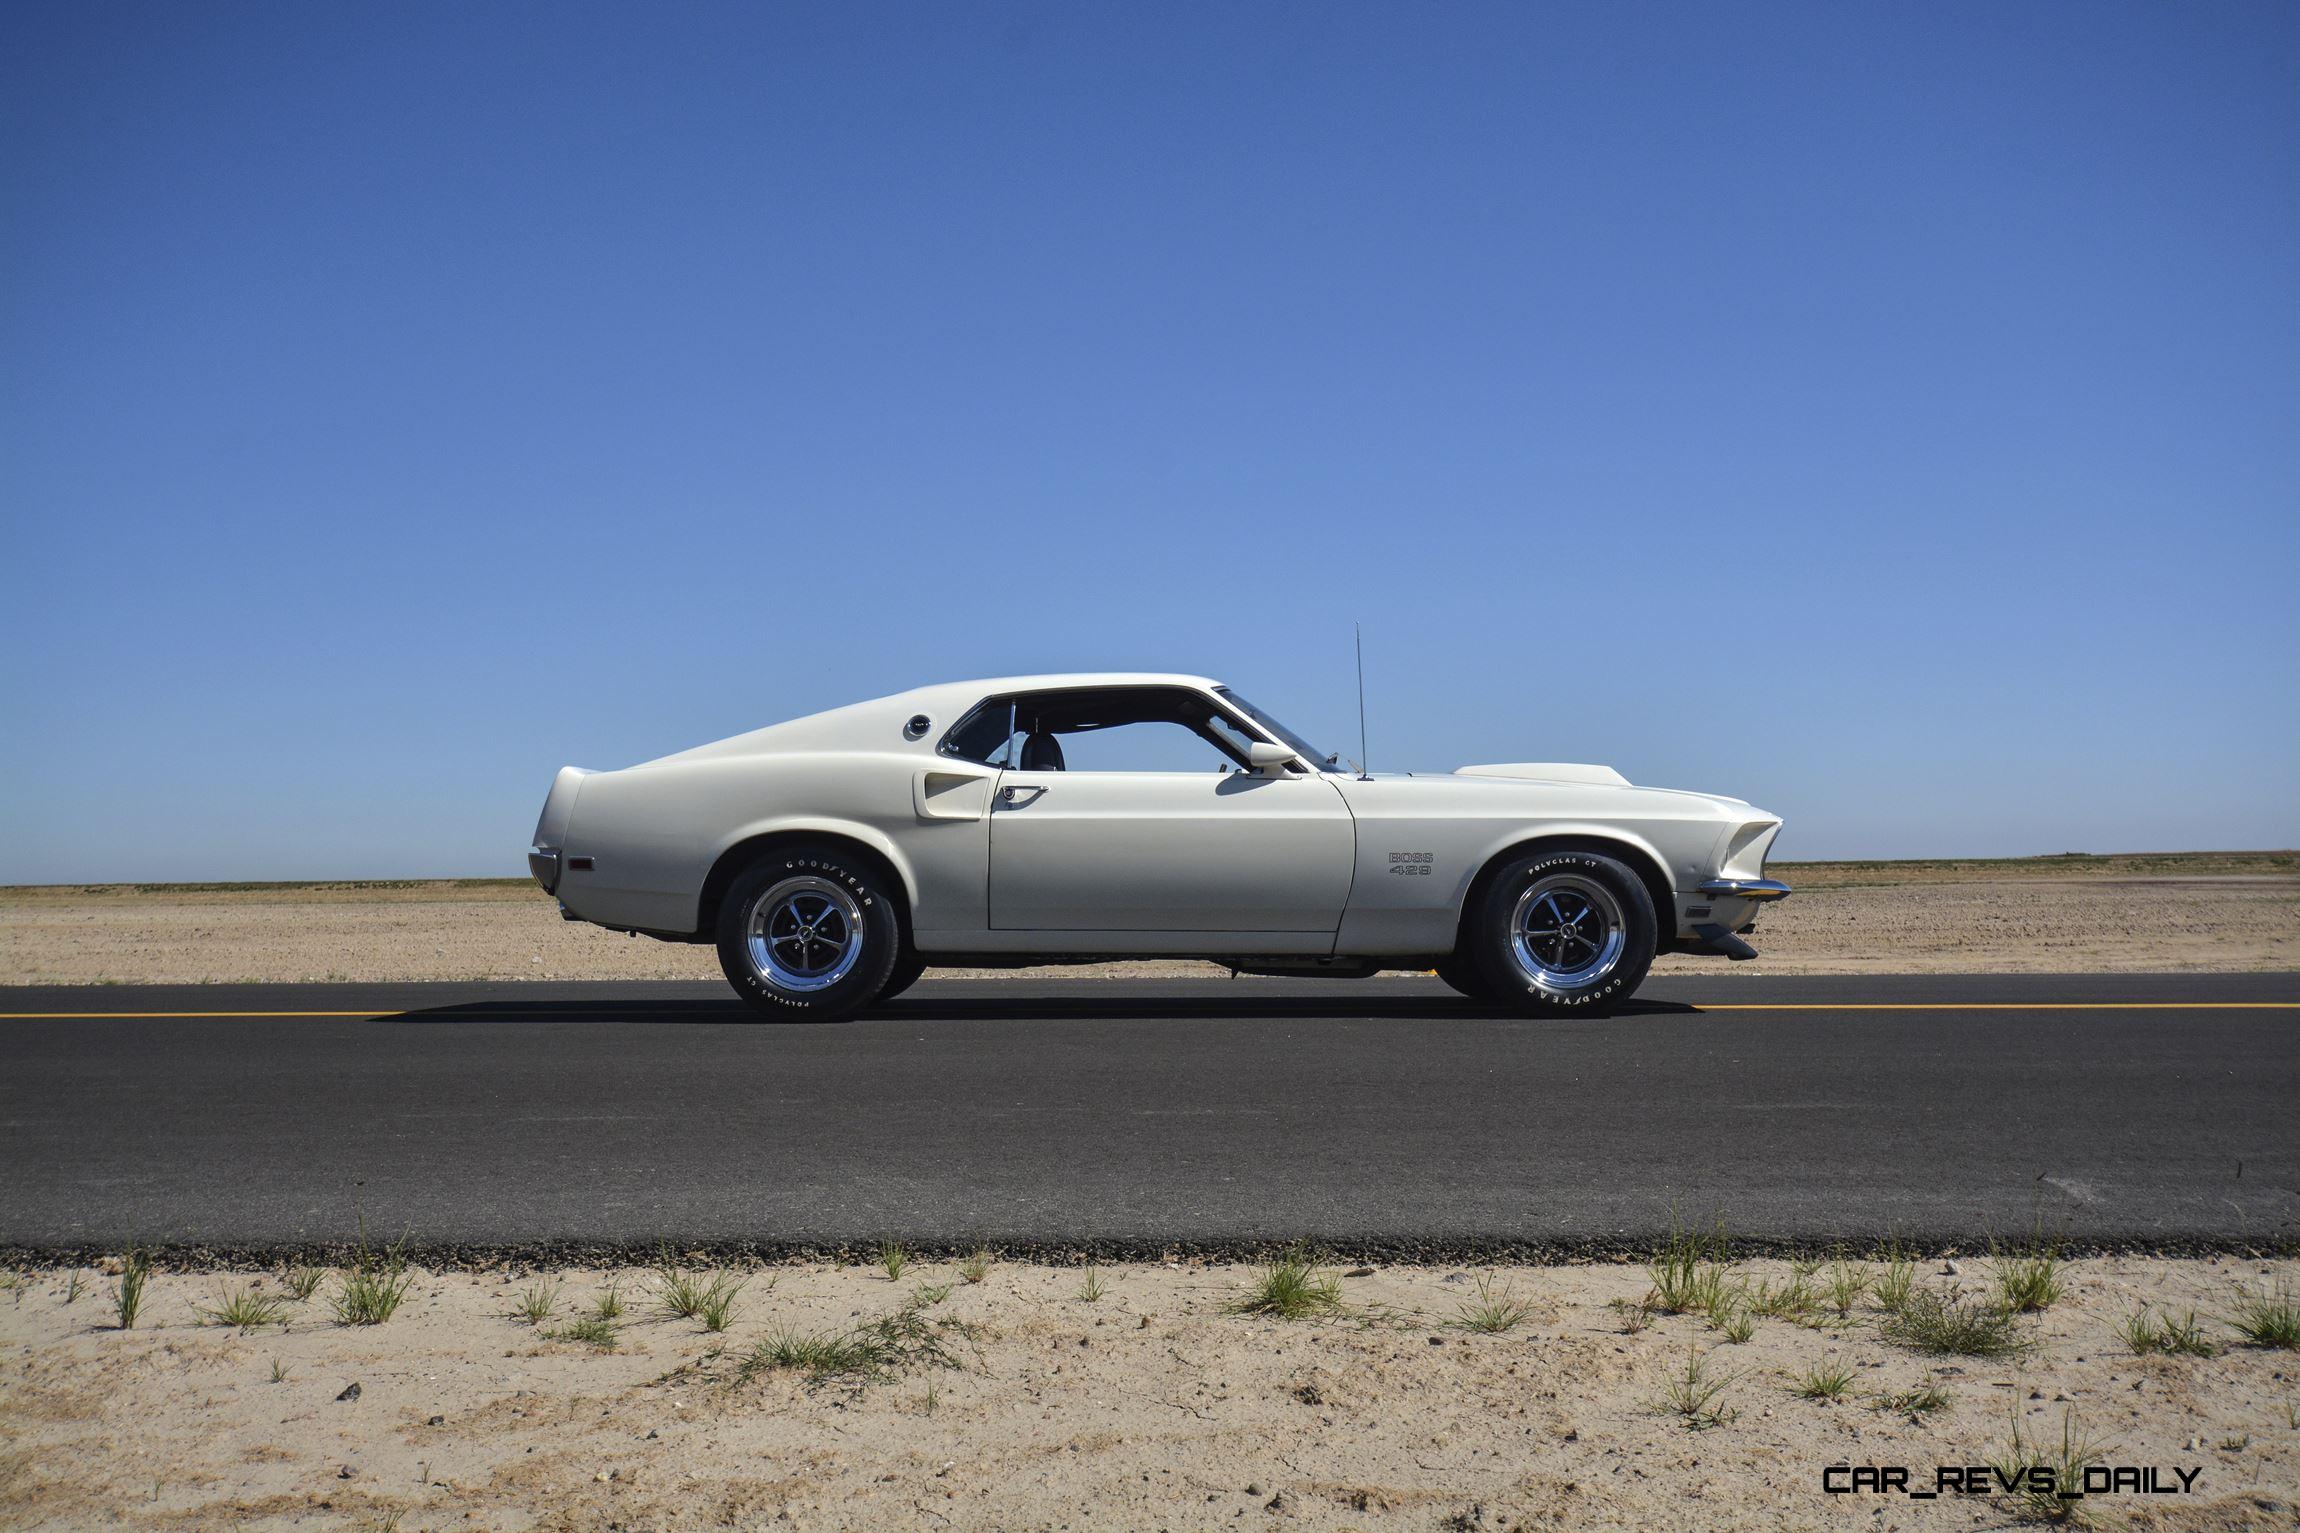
x=1887, y=414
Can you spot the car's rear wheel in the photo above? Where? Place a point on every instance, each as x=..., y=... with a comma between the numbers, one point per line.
x=808, y=935
x=1563, y=934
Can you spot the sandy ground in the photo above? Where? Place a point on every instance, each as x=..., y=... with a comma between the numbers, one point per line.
x=1155, y=1406
x=2045, y=915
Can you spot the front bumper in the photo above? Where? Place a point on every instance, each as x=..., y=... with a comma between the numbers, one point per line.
x=1727, y=910
x=1759, y=889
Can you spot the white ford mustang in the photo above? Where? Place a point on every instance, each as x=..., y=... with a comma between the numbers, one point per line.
x=832, y=858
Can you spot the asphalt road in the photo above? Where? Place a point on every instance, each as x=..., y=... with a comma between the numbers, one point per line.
x=1383, y=1116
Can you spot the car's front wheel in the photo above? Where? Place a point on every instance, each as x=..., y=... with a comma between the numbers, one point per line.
x=908, y=966
x=808, y=935
x=1460, y=971
x=1563, y=934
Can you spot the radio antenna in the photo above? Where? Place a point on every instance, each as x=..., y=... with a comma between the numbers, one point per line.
x=1365, y=772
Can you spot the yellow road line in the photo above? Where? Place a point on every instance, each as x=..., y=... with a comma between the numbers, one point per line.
x=2001, y=1006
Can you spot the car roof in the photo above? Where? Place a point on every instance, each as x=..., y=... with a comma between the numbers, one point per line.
x=862, y=725
x=950, y=698
x=1059, y=679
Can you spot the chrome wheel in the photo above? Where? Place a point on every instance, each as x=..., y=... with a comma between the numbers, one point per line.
x=1566, y=932
x=804, y=933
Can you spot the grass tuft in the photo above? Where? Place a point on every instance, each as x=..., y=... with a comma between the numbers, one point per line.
x=535, y=1305
x=1826, y=1382
x=689, y=1297
x=304, y=1281
x=1793, y=1300
x=373, y=1287
x=610, y=1305
x=244, y=1309
x=1634, y=1314
x=1949, y=1326
x=2145, y=1331
x=1491, y=1313
x=591, y=1330
x=903, y=1339
x=976, y=1266
x=718, y=1307
x=1094, y=1286
x=1696, y=1396
x=927, y=1295
x=128, y=1293
x=1912, y=1402
x=1897, y=1281
x=907, y=1339
x=1846, y=1285
x=678, y=1293
x=73, y=1287
x=1293, y=1287
x=1689, y=1273
x=2040, y=1472
x=892, y=1259
x=2028, y=1279
x=2269, y=1318
x=820, y=1353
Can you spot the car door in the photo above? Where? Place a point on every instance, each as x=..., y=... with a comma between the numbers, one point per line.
x=1168, y=852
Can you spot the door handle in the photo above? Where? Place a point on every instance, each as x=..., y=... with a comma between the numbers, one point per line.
x=1014, y=791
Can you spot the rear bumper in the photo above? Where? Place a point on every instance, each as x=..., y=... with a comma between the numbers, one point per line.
x=545, y=866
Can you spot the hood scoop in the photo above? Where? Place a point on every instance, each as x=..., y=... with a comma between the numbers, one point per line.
x=1548, y=771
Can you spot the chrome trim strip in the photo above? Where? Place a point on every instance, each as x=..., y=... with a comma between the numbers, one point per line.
x=1745, y=889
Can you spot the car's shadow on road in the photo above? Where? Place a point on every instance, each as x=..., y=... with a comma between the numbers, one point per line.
x=1067, y=1008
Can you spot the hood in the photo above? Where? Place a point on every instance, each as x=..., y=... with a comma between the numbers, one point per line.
x=1592, y=776
x=1548, y=771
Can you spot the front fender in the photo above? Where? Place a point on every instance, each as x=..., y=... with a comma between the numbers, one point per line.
x=1657, y=864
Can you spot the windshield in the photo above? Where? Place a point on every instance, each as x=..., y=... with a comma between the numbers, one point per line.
x=1325, y=763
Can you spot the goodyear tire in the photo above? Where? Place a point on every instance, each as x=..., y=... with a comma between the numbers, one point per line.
x=808, y=934
x=1563, y=934
x=1460, y=971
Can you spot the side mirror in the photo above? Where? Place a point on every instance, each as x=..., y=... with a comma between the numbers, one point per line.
x=1267, y=759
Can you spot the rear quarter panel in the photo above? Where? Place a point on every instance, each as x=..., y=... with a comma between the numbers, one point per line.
x=654, y=832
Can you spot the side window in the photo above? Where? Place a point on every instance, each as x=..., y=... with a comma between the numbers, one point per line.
x=985, y=735
x=1125, y=729
x=1151, y=745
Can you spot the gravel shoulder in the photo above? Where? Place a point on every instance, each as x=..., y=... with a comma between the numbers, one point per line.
x=2200, y=912
x=1155, y=1405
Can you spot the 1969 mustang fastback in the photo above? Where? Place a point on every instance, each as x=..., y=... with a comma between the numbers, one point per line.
x=1049, y=819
